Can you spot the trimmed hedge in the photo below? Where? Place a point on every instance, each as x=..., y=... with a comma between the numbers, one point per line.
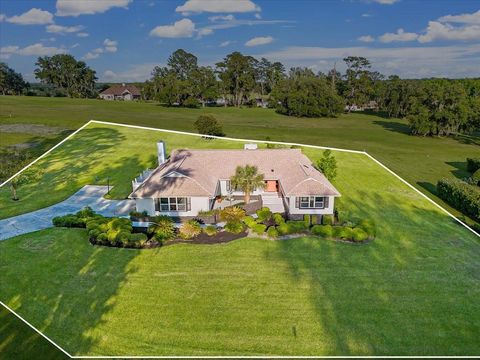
x=327, y=220
x=325, y=231
x=77, y=220
x=473, y=164
x=462, y=196
x=259, y=229
x=272, y=232
x=359, y=235
x=278, y=218
x=264, y=214
x=234, y=227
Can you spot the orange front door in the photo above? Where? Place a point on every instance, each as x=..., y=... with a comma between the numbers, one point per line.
x=271, y=186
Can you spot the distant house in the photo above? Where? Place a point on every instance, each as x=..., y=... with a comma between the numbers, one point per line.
x=121, y=92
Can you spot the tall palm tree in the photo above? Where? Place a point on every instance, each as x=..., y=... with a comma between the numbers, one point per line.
x=247, y=179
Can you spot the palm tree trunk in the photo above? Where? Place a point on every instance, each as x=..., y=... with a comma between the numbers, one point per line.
x=247, y=197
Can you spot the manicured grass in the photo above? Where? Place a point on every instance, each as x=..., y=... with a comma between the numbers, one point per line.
x=421, y=161
x=413, y=290
x=19, y=341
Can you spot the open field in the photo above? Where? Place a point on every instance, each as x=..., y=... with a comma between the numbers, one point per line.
x=413, y=290
x=421, y=161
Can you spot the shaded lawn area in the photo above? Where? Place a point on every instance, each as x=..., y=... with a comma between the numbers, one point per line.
x=413, y=290
x=421, y=161
x=19, y=341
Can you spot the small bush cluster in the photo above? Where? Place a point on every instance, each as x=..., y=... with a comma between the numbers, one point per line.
x=114, y=232
x=77, y=220
x=190, y=229
x=264, y=214
x=461, y=195
x=473, y=164
x=363, y=230
x=162, y=228
x=233, y=216
x=210, y=230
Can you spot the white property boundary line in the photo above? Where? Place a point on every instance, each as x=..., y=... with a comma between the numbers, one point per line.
x=239, y=140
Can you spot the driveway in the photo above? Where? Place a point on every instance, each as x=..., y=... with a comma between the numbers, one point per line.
x=89, y=195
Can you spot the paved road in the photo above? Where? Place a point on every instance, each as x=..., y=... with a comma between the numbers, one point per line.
x=89, y=195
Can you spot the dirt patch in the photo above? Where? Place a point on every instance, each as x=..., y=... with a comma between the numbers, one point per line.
x=33, y=129
x=221, y=237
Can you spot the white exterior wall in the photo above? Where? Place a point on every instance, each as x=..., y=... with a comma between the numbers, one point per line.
x=145, y=205
x=326, y=211
x=197, y=204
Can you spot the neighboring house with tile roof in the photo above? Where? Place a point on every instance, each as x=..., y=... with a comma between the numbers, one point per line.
x=121, y=92
x=198, y=180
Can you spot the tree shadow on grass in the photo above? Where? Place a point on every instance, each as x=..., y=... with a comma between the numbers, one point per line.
x=460, y=169
x=79, y=285
x=394, y=126
x=395, y=295
x=19, y=341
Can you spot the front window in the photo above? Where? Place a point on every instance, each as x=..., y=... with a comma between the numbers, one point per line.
x=311, y=202
x=173, y=204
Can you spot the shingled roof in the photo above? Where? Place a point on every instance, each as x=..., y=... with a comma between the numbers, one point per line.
x=119, y=90
x=197, y=172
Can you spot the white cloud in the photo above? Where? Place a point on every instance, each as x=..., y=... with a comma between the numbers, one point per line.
x=386, y=2
x=91, y=56
x=400, y=35
x=204, y=32
x=138, y=72
x=82, y=34
x=37, y=49
x=218, y=6
x=409, y=62
x=260, y=40
x=3, y=17
x=462, y=18
x=59, y=29
x=366, y=38
x=87, y=7
x=110, y=45
x=180, y=29
x=439, y=31
x=74, y=46
x=225, y=43
x=366, y=15
x=221, y=17
x=33, y=16
x=258, y=16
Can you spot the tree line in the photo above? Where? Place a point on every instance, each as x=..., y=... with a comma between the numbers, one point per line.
x=433, y=107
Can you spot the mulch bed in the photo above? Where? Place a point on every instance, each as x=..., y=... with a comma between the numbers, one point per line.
x=221, y=237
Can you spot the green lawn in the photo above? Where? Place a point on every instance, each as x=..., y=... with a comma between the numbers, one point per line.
x=421, y=161
x=413, y=290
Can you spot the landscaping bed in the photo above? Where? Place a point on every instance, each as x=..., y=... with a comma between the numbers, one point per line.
x=219, y=238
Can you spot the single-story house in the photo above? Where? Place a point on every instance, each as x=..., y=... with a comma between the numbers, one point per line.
x=121, y=92
x=192, y=181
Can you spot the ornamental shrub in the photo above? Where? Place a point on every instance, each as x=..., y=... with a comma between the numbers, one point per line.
x=191, y=102
x=461, y=195
x=94, y=233
x=232, y=214
x=101, y=239
x=307, y=219
x=249, y=221
x=476, y=177
x=368, y=226
x=314, y=219
x=208, y=125
x=272, y=232
x=162, y=227
x=278, y=218
x=86, y=212
x=283, y=229
x=264, y=214
x=190, y=229
x=325, y=231
x=342, y=232
x=137, y=240
x=71, y=221
x=259, y=229
x=327, y=220
x=473, y=164
x=296, y=226
x=210, y=230
x=234, y=227
x=359, y=235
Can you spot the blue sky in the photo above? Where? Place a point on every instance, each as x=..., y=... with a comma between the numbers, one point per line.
x=124, y=39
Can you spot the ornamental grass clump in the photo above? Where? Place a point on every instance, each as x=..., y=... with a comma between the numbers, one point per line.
x=190, y=229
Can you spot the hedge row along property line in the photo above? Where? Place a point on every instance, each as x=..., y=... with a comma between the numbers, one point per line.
x=461, y=195
x=118, y=232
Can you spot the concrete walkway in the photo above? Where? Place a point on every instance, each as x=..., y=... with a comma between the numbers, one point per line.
x=89, y=195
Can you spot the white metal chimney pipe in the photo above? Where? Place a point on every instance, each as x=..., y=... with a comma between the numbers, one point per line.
x=161, y=152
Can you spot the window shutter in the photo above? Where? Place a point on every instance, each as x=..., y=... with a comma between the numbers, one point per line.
x=325, y=201
x=189, y=204
x=297, y=202
x=157, y=204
